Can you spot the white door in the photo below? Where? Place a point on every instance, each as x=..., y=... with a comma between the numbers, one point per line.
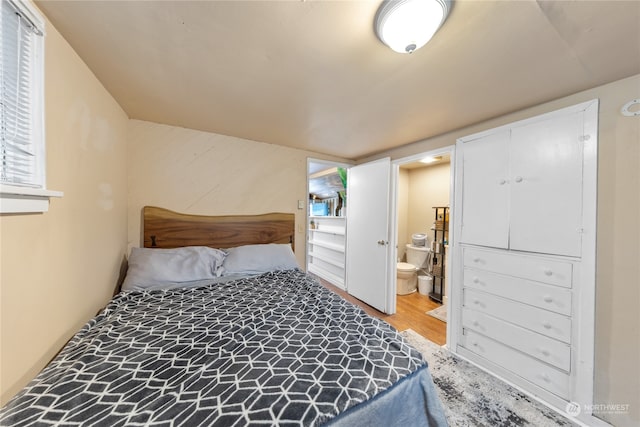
x=367, y=232
x=546, y=186
x=485, y=190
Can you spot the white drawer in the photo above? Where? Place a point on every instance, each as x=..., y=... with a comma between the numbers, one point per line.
x=545, y=322
x=531, y=369
x=547, y=349
x=533, y=293
x=536, y=268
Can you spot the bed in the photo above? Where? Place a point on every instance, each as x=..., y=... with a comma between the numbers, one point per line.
x=255, y=342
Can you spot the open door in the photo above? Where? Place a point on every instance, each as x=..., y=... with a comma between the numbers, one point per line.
x=367, y=258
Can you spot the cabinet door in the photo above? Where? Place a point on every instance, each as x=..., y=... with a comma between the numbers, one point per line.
x=546, y=186
x=485, y=194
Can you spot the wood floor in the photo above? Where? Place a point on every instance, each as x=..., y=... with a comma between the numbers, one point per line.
x=410, y=314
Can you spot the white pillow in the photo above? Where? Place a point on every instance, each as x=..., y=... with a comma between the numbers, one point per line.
x=253, y=259
x=156, y=268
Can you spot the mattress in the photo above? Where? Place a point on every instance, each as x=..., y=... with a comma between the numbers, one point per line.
x=273, y=349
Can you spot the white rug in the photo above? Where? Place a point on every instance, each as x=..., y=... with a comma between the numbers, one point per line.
x=473, y=398
x=439, y=313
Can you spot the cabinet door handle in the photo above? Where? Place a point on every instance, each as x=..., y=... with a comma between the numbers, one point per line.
x=518, y=179
x=382, y=242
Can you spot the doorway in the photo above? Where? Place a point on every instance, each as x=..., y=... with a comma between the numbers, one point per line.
x=326, y=221
x=399, y=230
x=422, y=194
x=351, y=251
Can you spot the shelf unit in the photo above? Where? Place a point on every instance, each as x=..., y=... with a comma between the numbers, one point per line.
x=325, y=248
x=439, y=246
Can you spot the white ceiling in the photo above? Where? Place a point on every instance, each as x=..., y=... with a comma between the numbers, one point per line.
x=312, y=74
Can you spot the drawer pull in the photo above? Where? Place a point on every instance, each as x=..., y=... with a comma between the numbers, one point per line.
x=476, y=302
x=476, y=280
x=545, y=352
x=475, y=323
x=518, y=179
x=502, y=181
x=475, y=344
x=546, y=325
x=476, y=259
x=547, y=298
x=548, y=272
x=546, y=378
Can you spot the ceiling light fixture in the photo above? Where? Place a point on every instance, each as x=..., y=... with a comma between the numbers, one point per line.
x=407, y=25
x=431, y=159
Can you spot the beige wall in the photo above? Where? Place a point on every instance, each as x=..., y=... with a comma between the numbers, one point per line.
x=204, y=173
x=59, y=268
x=617, y=371
x=428, y=187
x=419, y=190
x=404, y=236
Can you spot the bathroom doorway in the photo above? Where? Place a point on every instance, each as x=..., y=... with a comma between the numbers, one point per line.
x=421, y=200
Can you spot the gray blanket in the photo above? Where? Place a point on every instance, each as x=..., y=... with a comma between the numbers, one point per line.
x=275, y=349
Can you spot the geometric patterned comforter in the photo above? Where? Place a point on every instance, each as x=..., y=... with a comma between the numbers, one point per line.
x=274, y=349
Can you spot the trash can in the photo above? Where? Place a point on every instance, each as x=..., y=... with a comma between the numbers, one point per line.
x=424, y=284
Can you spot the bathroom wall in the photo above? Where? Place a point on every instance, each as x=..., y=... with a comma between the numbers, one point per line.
x=428, y=187
x=419, y=189
x=403, y=213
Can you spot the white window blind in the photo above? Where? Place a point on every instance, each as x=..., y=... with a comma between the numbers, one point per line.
x=22, y=118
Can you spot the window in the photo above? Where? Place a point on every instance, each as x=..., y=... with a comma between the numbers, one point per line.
x=22, y=154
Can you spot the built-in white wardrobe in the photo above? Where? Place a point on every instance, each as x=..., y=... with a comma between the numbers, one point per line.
x=524, y=241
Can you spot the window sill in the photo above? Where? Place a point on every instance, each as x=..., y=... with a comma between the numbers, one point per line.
x=14, y=200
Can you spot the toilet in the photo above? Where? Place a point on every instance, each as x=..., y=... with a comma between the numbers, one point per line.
x=407, y=272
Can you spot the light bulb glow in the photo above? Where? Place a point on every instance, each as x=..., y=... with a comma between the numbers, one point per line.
x=430, y=159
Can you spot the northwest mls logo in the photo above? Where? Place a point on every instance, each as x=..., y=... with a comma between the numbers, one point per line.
x=573, y=409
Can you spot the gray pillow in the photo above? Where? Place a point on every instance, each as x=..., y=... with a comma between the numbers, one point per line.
x=160, y=268
x=253, y=259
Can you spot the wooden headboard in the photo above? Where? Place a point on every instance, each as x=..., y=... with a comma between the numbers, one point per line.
x=163, y=228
